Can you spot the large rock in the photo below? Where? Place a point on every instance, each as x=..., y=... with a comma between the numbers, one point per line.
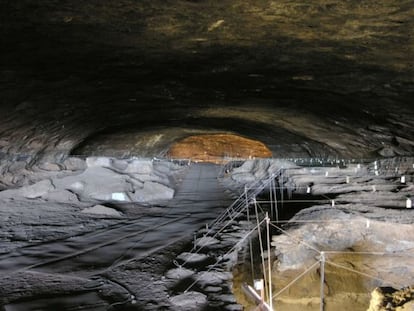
x=34, y=191
x=98, y=162
x=61, y=196
x=330, y=229
x=179, y=273
x=151, y=192
x=209, y=278
x=190, y=301
x=143, y=167
x=74, y=164
x=97, y=183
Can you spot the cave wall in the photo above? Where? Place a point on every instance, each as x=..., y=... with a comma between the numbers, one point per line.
x=321, y=78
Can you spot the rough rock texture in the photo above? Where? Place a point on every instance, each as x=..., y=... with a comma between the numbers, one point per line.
x=84, y=196
x=131, y=77
x=384, y=299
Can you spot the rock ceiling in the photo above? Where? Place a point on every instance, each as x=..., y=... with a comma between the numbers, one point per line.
x=307, y=78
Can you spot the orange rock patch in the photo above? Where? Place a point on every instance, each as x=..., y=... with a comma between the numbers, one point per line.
x=217, y=147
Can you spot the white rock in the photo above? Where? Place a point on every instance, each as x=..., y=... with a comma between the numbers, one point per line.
x=53, y=167
x=98, y=162
x=234, y=307
x=209, y=278
x=192, y=257
x=152, y=191
x=74, y=164
x=206, y=241
x=226, y=298
x=140, y=167
x=96, y=183
x=120, y=165
x=213, y=289
x=189, y=301
x=179, y=273
x=119, y=196
x=61, y=196
x=77, y=186
x=34, y=191
x=38, y=189
x=102, y=210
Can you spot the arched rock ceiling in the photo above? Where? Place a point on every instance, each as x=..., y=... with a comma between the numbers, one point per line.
x=306, y=77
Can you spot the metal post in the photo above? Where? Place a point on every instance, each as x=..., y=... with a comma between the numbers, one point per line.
x=260, y=240
x=269, y=263
x=250, y=238
x=322, y=268
x=276, y=206
x=281, y=186
x=272, y=212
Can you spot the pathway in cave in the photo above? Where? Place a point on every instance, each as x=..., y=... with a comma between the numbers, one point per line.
x=198, y=200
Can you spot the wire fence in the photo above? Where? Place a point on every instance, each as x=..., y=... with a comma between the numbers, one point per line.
x=388, y=167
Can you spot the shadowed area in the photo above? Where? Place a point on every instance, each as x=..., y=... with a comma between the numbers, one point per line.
x=89, y=88
x=308, y=79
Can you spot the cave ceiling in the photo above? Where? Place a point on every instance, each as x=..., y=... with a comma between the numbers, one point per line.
x=307, y=78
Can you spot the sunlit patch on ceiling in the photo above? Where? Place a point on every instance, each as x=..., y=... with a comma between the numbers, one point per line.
x=218, y=147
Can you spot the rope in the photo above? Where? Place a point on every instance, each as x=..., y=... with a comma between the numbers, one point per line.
x=363, y=274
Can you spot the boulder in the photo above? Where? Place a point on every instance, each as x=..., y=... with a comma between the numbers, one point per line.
x=120, y=165
x=97, y=183
x=34, y=191
x=74, y=164
x=61, y=196
x=190, y=301
x=212, y=278
x=52, y=167
x=192, y=258
x=98, y=162
x=152, y=191
x=179, y=273
x=144, y=167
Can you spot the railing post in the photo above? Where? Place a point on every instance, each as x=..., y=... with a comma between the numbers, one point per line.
x=269, y=262
x=322, y=271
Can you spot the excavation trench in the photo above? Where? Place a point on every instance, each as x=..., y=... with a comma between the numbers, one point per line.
x=353, y=266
